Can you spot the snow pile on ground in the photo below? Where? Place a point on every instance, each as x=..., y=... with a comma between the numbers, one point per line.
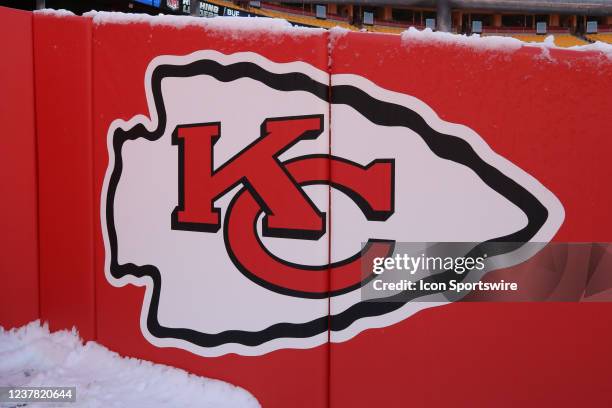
x=31, y=356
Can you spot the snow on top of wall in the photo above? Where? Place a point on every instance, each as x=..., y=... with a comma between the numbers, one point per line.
x=549, y=43
x=471, y=41
x=230, y=24
x=55, y=13
x=498, y=43
x=335, y=34
x=31, y=356
x=597, y=46
x=248, y=25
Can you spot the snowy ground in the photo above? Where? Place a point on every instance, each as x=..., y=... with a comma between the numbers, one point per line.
x=31, y=356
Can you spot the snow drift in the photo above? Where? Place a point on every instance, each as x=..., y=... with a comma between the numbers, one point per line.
x=31, y=356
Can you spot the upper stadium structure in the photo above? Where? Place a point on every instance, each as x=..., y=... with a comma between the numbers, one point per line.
x=570, y=22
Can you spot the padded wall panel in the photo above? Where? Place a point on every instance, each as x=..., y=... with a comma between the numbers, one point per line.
x=191, y=309
x=62, y=54
x=546, y=112
x=19, y=241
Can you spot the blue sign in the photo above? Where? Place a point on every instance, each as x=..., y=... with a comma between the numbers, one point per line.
x=152, y=3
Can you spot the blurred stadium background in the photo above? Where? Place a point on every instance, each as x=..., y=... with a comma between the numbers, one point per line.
x=571, y=22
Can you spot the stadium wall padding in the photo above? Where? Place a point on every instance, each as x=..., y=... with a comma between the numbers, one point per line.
x=545, y=113
x=75, y=85
x=19, y=219
x=275, y=378
x=62, y=57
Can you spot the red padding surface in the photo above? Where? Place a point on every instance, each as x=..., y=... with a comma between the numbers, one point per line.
x=63, y=105
x=18, y=206
x=550, y=115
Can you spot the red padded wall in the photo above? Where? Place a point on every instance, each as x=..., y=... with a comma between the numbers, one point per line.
x=121, y=54
x=546, y=111
x=62, y=54
x=18, y=207
x=549, y=115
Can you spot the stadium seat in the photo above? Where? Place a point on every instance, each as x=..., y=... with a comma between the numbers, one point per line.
x=529, y=37
x=604, y=37
x=568, y=40
x=561, y=40
x=386, y=29
x=288, y=15
x=296, y=17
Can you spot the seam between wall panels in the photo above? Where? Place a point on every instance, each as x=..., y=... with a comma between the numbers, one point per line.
x=93, y=178
x=329, y=210
x=36, y=166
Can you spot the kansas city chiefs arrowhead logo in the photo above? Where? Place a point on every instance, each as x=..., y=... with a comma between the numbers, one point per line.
x=244, y=201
